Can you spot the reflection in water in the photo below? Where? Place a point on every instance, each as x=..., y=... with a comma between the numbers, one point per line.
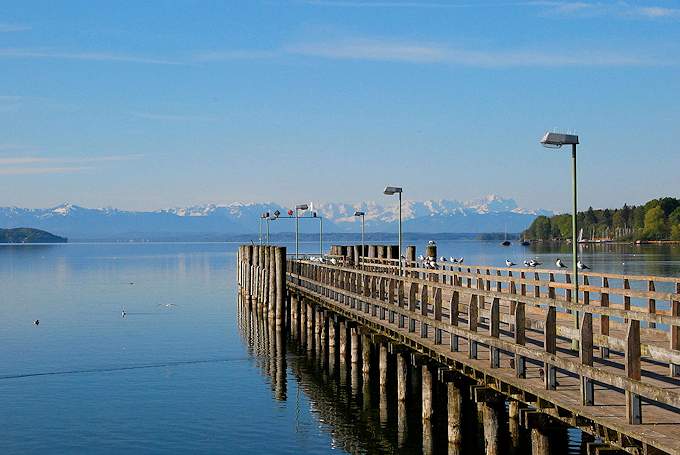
x=360, y=415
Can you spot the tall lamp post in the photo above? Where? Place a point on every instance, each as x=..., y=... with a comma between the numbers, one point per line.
x=363, y=220
x=298, y=207
x=315, y=215
x=265, y=216
x=391, y=190
x=557, y=140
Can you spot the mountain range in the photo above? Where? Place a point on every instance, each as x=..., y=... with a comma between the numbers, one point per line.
x=488, y=214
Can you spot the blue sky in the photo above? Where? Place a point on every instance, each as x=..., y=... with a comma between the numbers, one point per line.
x=143, y=105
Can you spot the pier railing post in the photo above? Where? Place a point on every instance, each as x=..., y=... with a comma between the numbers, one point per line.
x=280, y=271
x=586, y=354
x=453, y=318
x=675, y=330
x=632, y=354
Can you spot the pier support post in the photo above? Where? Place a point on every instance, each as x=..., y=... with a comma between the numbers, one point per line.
x=513, y=425
x=280, y=272
x=455, y=417
x=383, y=369
x=427, y=391
x=342, y=341
x=366, y=358
x=354, y=347
x=540, y=435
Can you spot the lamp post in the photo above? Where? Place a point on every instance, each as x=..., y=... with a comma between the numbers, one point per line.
x=363, y=220
x=391, y=190
x=557, y=140
x=315, y=215
x=265, y=216
x=298, y=207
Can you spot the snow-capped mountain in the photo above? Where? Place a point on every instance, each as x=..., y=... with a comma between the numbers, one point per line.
x=488, y=214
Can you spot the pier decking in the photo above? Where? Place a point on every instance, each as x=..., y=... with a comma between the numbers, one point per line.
x=507, y=334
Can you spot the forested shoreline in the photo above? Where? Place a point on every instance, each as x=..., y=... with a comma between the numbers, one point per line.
x=658, y=219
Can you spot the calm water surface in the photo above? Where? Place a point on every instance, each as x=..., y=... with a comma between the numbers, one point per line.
x=183, y=371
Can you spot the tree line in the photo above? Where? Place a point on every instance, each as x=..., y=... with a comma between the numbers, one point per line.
x=658, y=219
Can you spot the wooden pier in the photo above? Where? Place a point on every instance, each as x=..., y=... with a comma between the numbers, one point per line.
x=492, y=335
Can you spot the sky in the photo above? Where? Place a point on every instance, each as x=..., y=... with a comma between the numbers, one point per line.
x=154, y=104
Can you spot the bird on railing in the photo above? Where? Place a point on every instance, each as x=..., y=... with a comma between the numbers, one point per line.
x=534, y=263
x=442, y=259
x=526, y=263
x=333, y=261
x=454, y=260
x=581, y=266
x=421, y=258
x=460, y=260
x=560, y=264
x=509, y=263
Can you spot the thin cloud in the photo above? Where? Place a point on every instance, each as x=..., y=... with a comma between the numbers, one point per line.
x=611, y=9
x=85, y=56
x=405, y=4
x=42, y=170
x=10, y=28
x=217, y=56
x=174, y=117
x=402, y=52
x=4, y=161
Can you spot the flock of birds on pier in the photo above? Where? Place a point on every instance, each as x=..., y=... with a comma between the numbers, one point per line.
x=430, y=262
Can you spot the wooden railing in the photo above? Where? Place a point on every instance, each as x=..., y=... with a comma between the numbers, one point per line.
x=517, y=315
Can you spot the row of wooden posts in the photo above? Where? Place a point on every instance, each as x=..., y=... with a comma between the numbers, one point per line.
x=261, y=276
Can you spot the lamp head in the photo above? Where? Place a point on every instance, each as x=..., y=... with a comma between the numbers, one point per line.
x=301, y=207
x=277, y=214
x=359, y=213
x=557, y=140
x=390, y=190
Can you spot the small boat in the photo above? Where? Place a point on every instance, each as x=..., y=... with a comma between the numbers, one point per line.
x=506, y=242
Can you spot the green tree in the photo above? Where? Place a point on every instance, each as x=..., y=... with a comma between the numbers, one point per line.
x=675, y=232
x=674, y=217
x=654, y=223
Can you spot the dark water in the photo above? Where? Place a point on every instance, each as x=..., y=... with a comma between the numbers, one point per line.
x=183, y=370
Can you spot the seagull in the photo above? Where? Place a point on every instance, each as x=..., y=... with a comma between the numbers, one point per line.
x=581, y=266
x=421, y=258
x=527, y=264
x=333, y=261
x=560, y=264
x=430, y=258
x=167, y=305
x=509, y=263
x=36, y=322
x=431, y=242
x=442, y=259
x=534, y=263
x=433, y=264
x=460, y=260
x=123, y=313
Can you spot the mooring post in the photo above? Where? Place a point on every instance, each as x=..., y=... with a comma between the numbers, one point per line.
x=513, y=425
x=280, y=271
x=383, y=368
x=427, y=391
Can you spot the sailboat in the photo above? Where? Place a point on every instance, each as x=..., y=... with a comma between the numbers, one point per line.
x=506, y=242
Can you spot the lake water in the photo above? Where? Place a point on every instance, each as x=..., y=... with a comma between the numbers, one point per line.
x=181, y=371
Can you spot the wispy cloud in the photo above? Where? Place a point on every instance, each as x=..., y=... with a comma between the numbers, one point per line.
x=86, y=56
x=9, y=28
x=174, y=117
x=244, y=54
x=42, y=170
x=27, y=165
x=405, y=4
x=394, y=51
x=608, y=9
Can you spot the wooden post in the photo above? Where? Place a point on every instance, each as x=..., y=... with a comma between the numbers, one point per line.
x=651, y=303
x=453, y=318
x=492, y=411
x=455, y=418
x=391, y=289
x=438, y=314
x=400, y=302
x=540, y=436
x=402, y=370
x=366, y=358
x=494, y=331
x=412, y=298
x=383, y=368
x=586, y=354
x=272, y=282
x=280, y=271
x=550, y=346
x=604, y=319
x=354, y=347
x=342, y=342
x=426, y=387
x=424, y=327
x=675, y=330
x=473, y=317
x=632, y=354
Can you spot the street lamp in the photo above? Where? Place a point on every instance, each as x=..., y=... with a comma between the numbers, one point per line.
x=391, y=190
x=363, y=219
x=265, y=216
x=557, y=140
x=315, y=215
x=298, y=207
